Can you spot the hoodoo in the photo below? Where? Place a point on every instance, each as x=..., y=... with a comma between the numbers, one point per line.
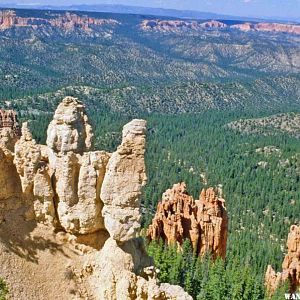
x=290, y=266
x=78, y=213
x=204, y=221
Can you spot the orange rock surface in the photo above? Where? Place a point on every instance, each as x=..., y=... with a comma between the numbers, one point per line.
x=204, y=221
x=290, y=265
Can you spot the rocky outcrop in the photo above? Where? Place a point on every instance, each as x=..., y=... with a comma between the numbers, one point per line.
x=213, y=24
x=269, y=27
x=276, y=27
x=126, y=272
x=85, y=195
x=123, y=181
x=66, y=22
x=8, y=119
x=69, y=130
x=204, y=221
x=290, y=266
x=62, y=180
x=9, y=134
x=179, y=25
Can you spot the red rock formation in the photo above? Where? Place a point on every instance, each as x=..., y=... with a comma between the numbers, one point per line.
x=213, y=24
x=290, y=265
x=71, y=21
x=243, y=27
x=8, y=119
x=66, y=21
x=268, y=27
x=203, y=222
x=168, y=25
x=176, y=25
x=277, y=27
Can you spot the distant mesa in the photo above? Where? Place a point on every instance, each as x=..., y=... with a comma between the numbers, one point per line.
x=67, y=21
x=204, y=222
x=177, y=25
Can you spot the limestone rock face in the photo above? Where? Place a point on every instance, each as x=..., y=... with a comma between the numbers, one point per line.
x=66, y=22
x=121, y=190
x=78, y=183
x=43, y=196
x=27, y=158
x=69, y=130
x=204, y=222
x=126, y=272
x=62, y=179
x=9, y=179
x=290, y=265
x=9, y=134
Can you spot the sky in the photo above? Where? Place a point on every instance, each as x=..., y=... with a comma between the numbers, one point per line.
x=254, y=8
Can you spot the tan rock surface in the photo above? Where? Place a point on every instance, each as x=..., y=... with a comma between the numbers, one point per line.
x=70, y=130
x=290, y=266
x=121, y=190
x=204, y=222
x=9, y=133
x=27, y=158
x=55, y=244
x=137, y=280
x=78, y=184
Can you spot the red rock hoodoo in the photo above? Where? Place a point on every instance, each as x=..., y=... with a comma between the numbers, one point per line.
x=204, y=222
x=8, y=119
x=290, y=265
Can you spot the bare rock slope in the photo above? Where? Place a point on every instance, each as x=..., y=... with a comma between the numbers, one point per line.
x=70, y=217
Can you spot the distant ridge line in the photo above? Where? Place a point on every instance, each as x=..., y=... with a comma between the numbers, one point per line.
x=160, y=12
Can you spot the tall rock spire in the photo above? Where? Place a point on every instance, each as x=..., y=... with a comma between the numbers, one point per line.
x=123, y=181
x=290, y=266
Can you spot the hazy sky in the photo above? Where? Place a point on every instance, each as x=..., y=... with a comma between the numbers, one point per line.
x=259, y=8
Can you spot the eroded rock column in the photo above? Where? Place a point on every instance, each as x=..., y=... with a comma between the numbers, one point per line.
x=77, y=173
x=121, y=190
x=204, y=222
x=290, y=266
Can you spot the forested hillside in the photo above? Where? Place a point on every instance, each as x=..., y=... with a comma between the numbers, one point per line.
x=120, y=53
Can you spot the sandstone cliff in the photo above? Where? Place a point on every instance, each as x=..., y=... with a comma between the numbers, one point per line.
x=70, y=217
x=179, y=25
x=203, y=222
x=290, y=266
x=67, y=21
